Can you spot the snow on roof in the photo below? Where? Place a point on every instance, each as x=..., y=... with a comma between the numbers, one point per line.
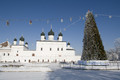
x=5, y=45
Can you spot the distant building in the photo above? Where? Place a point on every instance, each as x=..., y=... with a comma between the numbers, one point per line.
x=46, y=50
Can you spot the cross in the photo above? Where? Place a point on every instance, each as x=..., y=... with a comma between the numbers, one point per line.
x=42, y=30
x=51, y=26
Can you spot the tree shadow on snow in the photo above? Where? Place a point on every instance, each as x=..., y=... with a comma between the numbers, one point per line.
x=69, y=74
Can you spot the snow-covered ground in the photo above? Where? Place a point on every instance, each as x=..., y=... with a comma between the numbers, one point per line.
x=24, y=67
x=62, y=74
x=58, y=73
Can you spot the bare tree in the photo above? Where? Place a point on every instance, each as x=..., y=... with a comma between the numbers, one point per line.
x=114, y=54
x=117, y=47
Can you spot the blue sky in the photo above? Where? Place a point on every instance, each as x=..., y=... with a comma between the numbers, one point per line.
x=19, y=12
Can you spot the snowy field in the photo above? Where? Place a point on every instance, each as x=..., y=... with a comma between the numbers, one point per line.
x=24, y=67
x=57, y=73
x=62, y=74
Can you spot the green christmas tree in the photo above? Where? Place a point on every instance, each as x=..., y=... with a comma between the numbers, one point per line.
x=93, y=48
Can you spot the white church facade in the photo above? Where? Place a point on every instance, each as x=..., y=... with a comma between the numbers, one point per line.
x=46, y=50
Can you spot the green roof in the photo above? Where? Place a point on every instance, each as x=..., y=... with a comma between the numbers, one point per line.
x=26, y=43
x=60, y=34
x=42, y=34
x=51, y=32
x=15, y=39
x=22, y=38
x=68, y=43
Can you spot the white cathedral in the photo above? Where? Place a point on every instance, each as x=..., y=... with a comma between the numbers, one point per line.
x=46, y=50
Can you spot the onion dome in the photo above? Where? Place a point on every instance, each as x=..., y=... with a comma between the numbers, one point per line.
x=42, y=34
x=51, y=32
x=68, y=43
x=15, y=39
x=22, y=38
x=26, y=43
x=60, y=34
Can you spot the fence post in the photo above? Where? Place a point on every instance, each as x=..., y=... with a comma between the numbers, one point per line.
x=118, y=65
x=106, y=65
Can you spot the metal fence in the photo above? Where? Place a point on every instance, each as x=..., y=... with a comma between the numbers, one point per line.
x=113, y=65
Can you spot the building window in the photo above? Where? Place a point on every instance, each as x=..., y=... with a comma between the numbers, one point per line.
x=64, y=60
x=4, y=54
x=50, y=49
x=57, y=49
x=24, y=60
x=59, y=55
x=29, y=61
x=41, y=49
x=17, y=55
x=43, y=60
x=13, y=60
x=33, y=54
x=18, y=60
x=61, y=49
x=8, y=54
x=17, y=51
x=38, y=60
x=55, y=60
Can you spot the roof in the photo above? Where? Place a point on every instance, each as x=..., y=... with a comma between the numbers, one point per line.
x=26, y=43
x=15, y=39
x=5, y=45
x=22, y=38
x=51, y=32
x=68, y=43
x=69, y=49
x=60, y=34
x=50, y=41
x=42, y=34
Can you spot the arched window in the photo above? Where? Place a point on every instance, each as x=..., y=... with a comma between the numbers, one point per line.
x=8, y=54
x=13, y=60
x=33, y=54
x=57, y=49
x=29, y=61
x=38, y=60
x=17, y=55
x=43, y=60
x=48, y=60
x=55, y=60
x=4, y=54
x=59, y=55
x=24, y=60
x=50, y=49
x=61, y=49
x=64, y=60
x=41, y=49
x=18, y=60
